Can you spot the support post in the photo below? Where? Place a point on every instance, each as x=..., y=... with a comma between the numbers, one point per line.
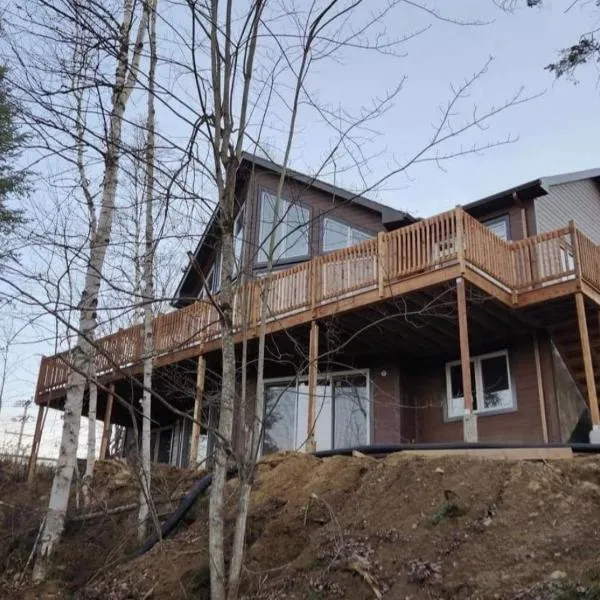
x=469, y=419
x=590, y=379
x=313, y=370
x=460, y=237
x=196, y=427
x=35, y=446
x=540, y=386
x=106, y=422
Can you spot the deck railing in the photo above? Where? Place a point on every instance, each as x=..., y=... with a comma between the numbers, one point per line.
x=449, y=238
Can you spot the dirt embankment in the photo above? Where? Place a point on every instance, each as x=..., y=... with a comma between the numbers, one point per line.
x=361, y=528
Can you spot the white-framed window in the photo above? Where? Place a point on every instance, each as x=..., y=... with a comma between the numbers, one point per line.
x=342, y=410
x=288, y=223
x=490, y=383
x=338, y=235
x=498, y=225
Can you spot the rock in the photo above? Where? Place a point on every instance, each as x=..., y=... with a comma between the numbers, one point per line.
x=534, y=486
x=439, y=470
x=556, y=575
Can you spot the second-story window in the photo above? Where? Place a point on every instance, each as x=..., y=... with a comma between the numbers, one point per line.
x=338, y=235
x=498, y=225
x=284, y=224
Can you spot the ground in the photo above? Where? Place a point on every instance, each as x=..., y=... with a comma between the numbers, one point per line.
x=351, y=527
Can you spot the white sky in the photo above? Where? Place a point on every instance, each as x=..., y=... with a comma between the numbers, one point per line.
x=557, y=132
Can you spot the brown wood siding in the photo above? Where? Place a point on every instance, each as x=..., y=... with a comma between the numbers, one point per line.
x=428, y=390
x=521, y=218
x=576, y=200
x=320, y=204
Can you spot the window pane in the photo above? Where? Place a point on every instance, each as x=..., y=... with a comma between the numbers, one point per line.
x=280, y=418
x=351, y=406
x=359, y=236
x=496, y=386
x=289, y=228
x=322, y=415
x=335, y=235
x=295, y=242
x=498, y=226
x=456, y=401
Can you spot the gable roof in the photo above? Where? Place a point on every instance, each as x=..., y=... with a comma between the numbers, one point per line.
x=390, y=217
x=389, y=214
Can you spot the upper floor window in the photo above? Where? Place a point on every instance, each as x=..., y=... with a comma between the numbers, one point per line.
x=490, y=384
x=284, y=224
x=498, y=225
x=338, y=235
x=213, y=277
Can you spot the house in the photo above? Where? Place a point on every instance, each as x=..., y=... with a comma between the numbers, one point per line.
x=479, y=324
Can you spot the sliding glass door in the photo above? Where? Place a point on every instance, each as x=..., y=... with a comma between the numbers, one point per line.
x=342, y=411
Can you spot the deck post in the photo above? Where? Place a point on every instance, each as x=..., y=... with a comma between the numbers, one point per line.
x=460, y=237
x=196, y=427
x=35, y=445
x=106, y=422
x=540, y=386
x=313, y=371
x=469, y=418
x=590, y=379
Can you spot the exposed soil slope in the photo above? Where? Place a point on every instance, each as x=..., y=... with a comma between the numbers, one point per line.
x=399, y=527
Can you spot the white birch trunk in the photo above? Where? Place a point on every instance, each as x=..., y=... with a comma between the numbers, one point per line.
x=91, y=443
x=148, y=287
x=82, y=355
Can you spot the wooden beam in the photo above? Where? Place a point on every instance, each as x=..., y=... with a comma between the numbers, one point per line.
x=540, y=386
x=196, y=427
x=313, y=371
x=590, y=379
x=35, y=446
x=469, y=419
x=494, y=453
x=106, y=423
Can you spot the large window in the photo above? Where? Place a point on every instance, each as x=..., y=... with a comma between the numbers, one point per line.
x=287, y=225
x=338, y=235
x=342, y=412
x=490, y=384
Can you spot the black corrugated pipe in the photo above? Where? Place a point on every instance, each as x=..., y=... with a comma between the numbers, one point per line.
x=204, y=482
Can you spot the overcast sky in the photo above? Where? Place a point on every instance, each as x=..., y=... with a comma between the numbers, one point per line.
x=556, y=132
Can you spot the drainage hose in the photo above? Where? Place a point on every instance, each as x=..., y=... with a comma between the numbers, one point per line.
x=378, y=450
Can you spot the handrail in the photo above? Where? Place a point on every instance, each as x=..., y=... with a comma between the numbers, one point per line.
x=453, y=237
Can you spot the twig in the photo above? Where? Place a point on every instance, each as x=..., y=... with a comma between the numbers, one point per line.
x=35, y=544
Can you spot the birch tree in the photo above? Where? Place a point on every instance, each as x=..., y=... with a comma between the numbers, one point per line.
x=148, y=281
x=127, y=61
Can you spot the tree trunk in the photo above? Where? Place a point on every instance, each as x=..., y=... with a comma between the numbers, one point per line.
x=82, y=355
x=91, y=445
x=148, y=286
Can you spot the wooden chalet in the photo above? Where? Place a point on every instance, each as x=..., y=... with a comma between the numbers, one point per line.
x=479, y=324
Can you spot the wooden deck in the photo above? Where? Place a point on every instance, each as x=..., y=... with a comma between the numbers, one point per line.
x=432, y=251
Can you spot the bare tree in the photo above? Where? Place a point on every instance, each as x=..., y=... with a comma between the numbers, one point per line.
x=126, y=71
x=148, y=280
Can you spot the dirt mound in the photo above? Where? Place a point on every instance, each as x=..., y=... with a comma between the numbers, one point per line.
x=400, y=527
x=91, y=546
